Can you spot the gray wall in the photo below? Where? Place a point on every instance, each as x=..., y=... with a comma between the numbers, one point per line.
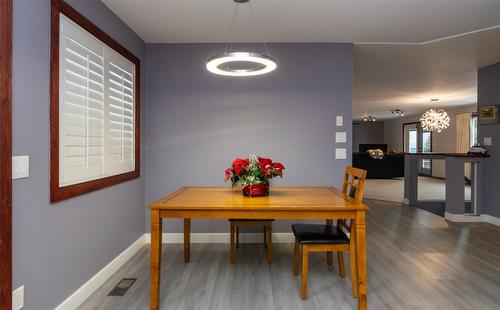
x=489, y=94
x=367, y=133
x=198, y=122
x=58, y=247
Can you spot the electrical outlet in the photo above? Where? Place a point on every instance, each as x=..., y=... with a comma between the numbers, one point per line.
x=18, y=298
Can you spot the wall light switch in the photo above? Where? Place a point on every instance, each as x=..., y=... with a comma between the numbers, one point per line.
x=20, y=167
x=341, y=137
x=487, y=141
x=340, y=153
x=18, y=298
x=340, y=121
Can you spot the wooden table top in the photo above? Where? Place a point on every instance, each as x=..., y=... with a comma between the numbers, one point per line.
x=280, y=198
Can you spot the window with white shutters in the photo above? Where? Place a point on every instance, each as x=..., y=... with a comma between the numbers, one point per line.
x=81, y=105
x=96, y=105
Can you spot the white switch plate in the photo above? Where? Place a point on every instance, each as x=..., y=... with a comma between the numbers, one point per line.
x=341, y=137
x=18, y=298
x=487, y=141
x=340, y=121
x=20, y=167
x=340, y=153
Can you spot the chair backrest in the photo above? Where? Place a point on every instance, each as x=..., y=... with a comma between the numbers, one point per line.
x=354, y=183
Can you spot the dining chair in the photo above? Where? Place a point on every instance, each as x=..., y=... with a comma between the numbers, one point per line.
x=329, y=238
x=235, y=225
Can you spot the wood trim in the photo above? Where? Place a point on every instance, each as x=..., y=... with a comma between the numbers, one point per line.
x=6, y=154
x=58, y=193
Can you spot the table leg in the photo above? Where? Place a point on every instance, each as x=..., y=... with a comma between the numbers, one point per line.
x=269, y=243
x=156, y=245
x=232, y=250
x=361, y=259
x=237, y=236
x=352, y=260
x=187, y=239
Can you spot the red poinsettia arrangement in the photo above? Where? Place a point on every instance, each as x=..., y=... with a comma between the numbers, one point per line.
x=253, y=170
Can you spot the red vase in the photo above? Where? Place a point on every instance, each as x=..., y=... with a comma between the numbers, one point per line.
x=256, y=190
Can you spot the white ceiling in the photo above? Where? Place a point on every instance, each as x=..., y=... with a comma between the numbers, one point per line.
x=189, y=21
x=406, y=77
x=431, y=48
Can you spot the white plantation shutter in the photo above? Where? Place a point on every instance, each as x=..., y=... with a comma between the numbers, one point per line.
x=96, y=108
x=120, y=85
x=81, y=105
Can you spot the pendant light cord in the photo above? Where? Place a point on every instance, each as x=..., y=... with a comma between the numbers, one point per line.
x=257, y=30
x=232, y=30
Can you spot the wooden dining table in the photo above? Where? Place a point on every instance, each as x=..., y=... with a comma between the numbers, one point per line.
x=299, y=203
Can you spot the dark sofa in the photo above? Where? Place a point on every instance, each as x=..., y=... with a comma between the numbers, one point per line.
x=391, y=166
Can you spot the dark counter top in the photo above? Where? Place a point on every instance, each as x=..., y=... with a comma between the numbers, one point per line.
x=451, y=154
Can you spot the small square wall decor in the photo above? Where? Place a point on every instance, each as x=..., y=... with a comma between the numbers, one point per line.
x=488, y=115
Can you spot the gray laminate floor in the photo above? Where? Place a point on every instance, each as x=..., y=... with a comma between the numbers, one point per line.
x=416, y=260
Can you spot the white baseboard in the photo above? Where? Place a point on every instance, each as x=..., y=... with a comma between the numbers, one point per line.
x=463, y=218
x=491, y=219
x=221, y=238
x=84, y=292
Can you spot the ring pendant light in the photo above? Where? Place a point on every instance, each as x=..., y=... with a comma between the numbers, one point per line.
x=232, y=63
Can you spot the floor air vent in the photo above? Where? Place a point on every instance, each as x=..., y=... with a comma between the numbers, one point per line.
x=122, y=287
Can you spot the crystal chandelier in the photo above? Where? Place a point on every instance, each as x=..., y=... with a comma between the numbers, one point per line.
x=245, y=63
x=435, y=120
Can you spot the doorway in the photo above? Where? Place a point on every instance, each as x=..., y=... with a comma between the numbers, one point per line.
x=418, y=140
x=6, y=154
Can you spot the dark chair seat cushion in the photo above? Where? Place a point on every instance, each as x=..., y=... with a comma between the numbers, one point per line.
x=319, y=234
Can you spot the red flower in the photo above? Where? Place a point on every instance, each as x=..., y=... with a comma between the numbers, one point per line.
x=227, y=174
x=240, y=164
x=278, y=167
x=264, y=163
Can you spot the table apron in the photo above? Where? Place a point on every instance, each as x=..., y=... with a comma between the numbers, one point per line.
x=261, y=214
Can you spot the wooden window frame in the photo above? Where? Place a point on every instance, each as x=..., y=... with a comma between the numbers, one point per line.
x=58, y=193
x=6, y=154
